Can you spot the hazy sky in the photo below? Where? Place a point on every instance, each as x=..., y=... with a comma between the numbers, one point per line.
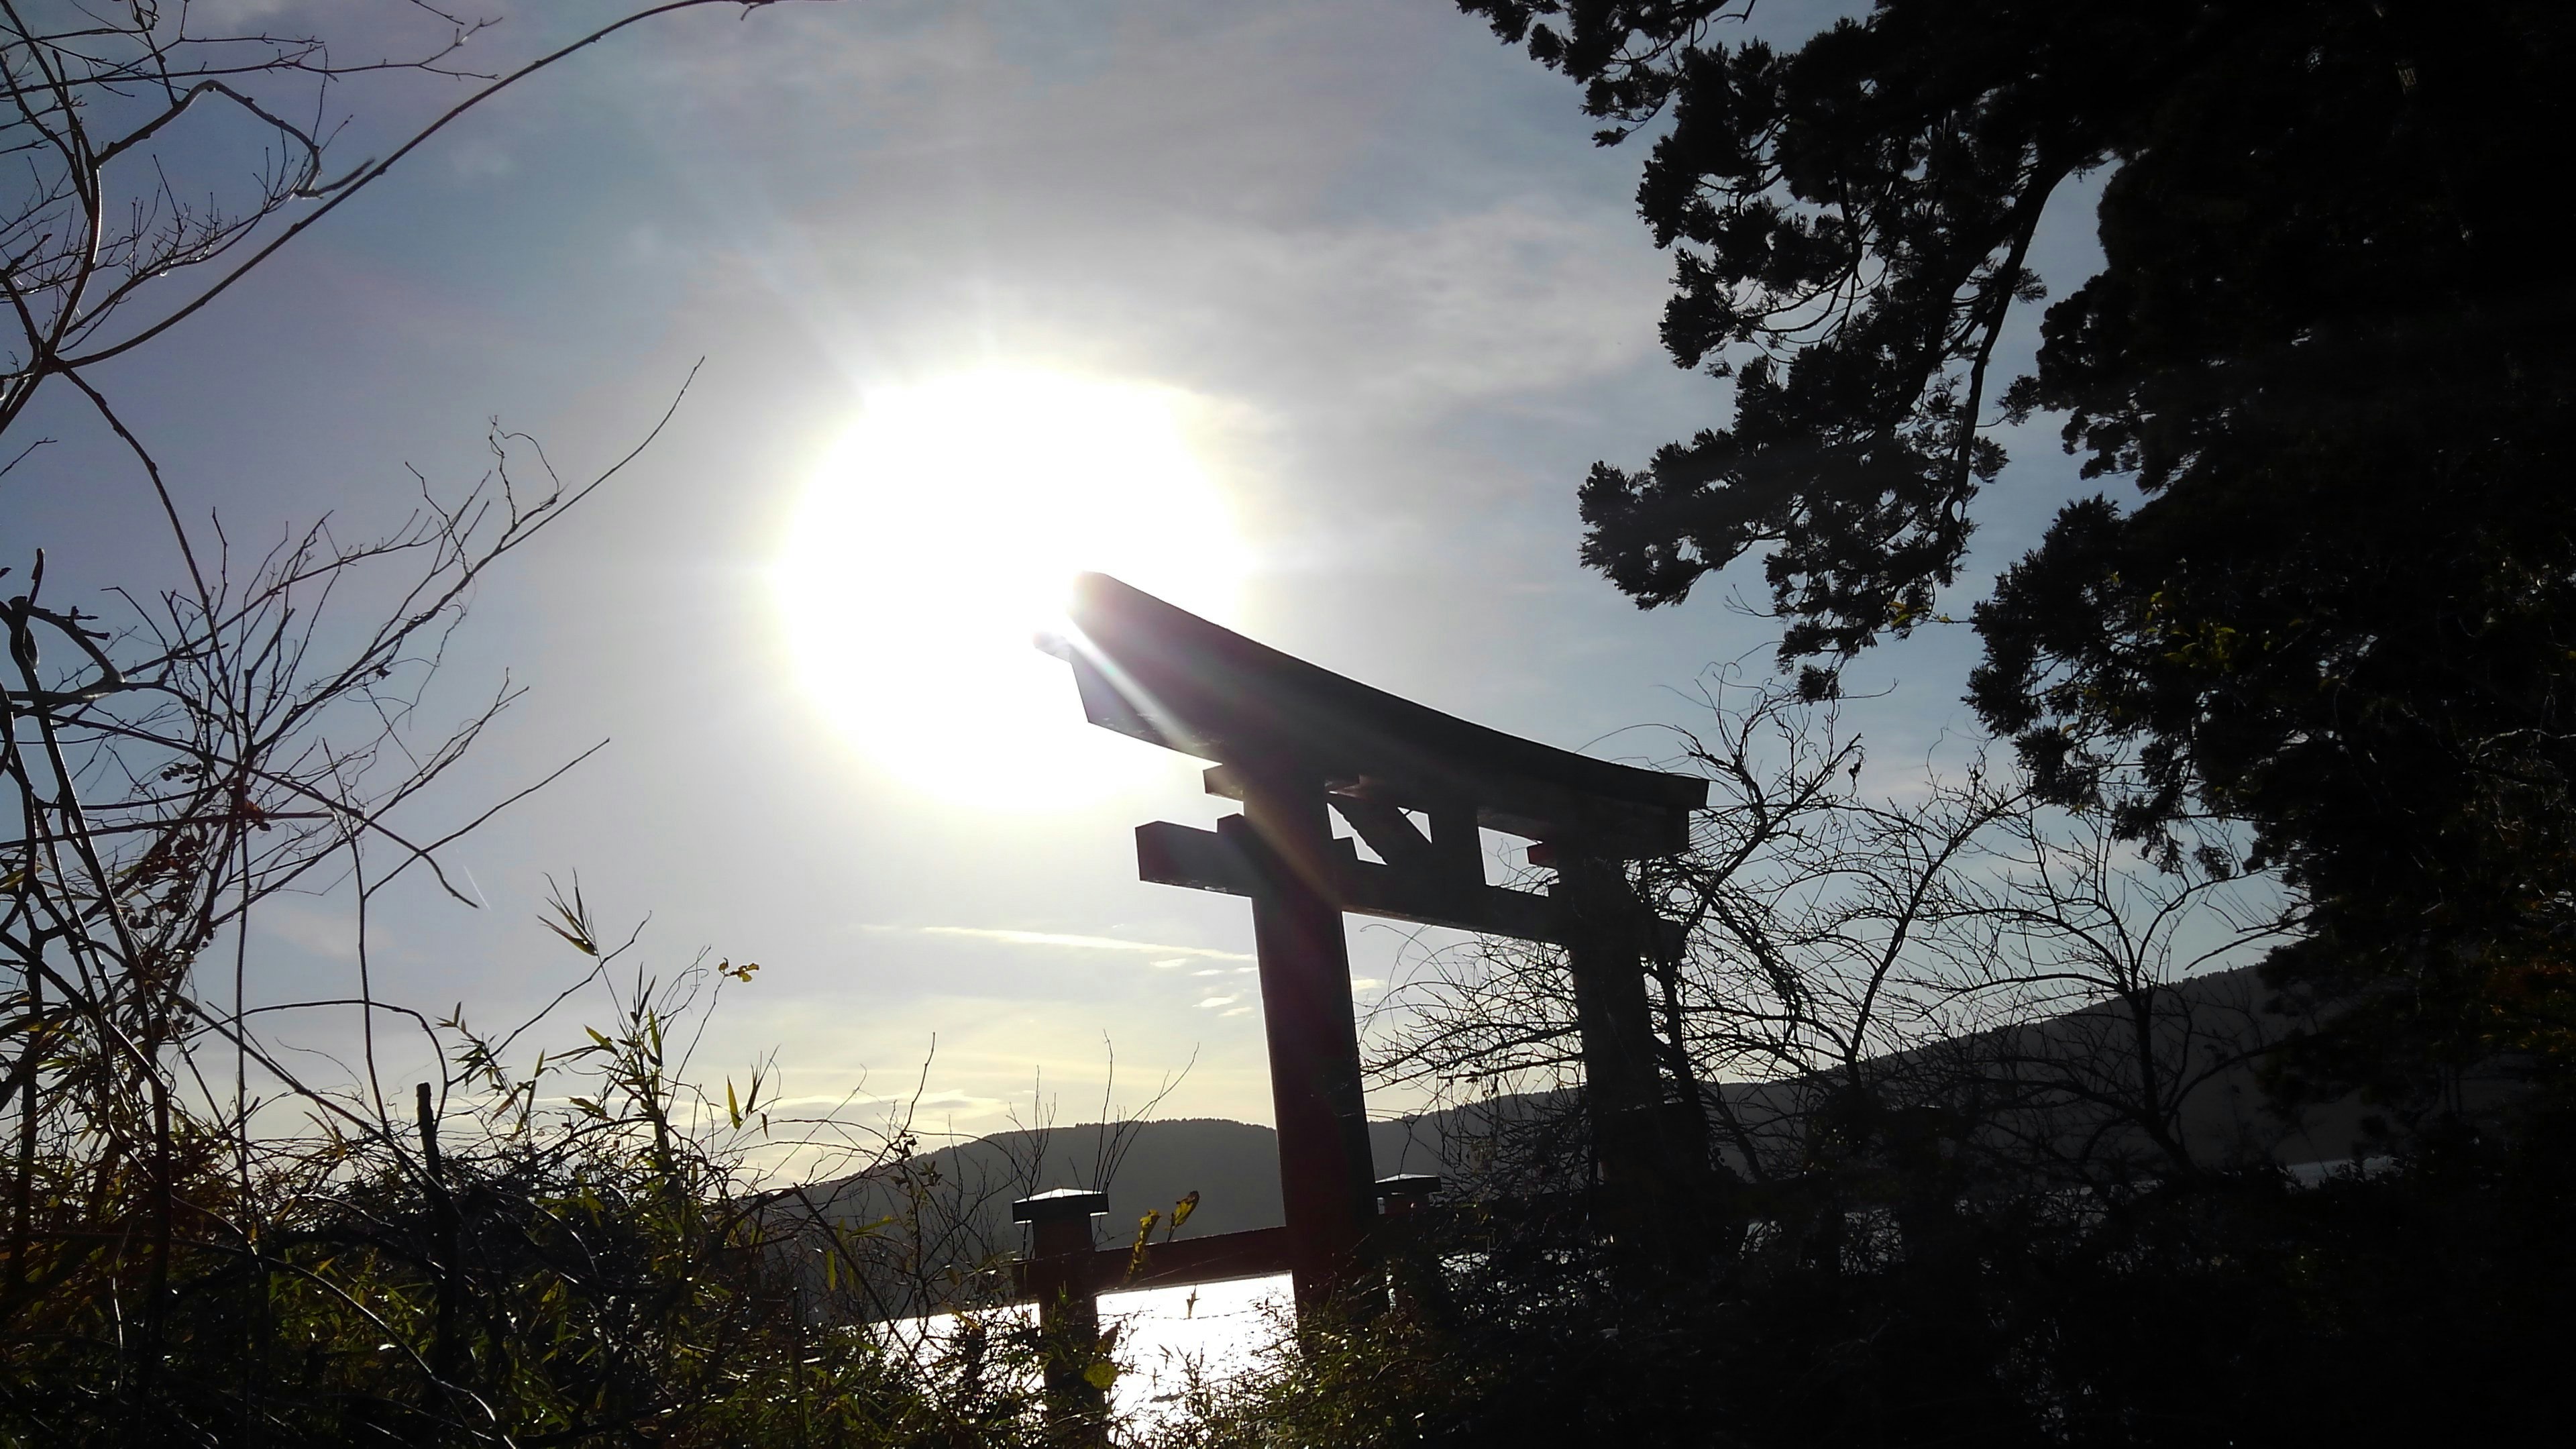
x=1357, y=262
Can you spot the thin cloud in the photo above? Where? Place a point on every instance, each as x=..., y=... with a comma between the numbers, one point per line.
x=1214, y=1001
x=1077, y=943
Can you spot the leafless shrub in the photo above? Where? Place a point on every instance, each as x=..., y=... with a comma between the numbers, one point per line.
x=1959, y=967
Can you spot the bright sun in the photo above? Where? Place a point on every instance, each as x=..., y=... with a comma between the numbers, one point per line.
x=937, y=540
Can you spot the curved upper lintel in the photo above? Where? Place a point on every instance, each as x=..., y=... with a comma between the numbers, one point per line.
x=1166, y=676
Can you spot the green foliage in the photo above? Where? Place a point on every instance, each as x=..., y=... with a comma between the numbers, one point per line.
x=215, y=1239
x=1339, y=1380
x=518, y=1273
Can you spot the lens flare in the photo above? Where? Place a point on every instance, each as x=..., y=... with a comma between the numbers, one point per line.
x=939, y=539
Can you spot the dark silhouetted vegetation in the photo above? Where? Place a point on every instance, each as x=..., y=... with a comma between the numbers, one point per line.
x=213, y=1237
x=2000, y=1082
x=2326, y=346
x=1993, y=1160
x=2020, y=1172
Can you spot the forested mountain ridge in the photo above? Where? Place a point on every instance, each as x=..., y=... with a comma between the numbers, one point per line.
x=2228, y=1119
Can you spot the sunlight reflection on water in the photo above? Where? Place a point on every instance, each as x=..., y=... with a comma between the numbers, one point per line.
x=1222, y=1328
x=1215, y=1330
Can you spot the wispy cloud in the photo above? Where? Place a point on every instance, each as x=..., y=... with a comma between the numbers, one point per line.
x=310, y=929
x=1175, y=954
x=1215, y=1001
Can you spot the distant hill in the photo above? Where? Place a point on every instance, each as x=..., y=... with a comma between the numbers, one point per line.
x=1234, y=1167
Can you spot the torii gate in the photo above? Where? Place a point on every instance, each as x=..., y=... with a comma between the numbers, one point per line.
x=1291, y=740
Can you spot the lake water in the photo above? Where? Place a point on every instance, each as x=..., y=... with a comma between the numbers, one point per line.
x=1217, y=1330
x=1222, y=1328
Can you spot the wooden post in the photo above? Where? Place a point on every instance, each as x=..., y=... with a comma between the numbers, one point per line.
x=1410, y=1278
x=1644, y=1183
x=1068, y=1317
x=1399, y=1195
x=1326, y=1175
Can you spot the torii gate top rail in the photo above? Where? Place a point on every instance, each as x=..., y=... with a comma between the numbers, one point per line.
x=1294, y=742
x=1171, y=678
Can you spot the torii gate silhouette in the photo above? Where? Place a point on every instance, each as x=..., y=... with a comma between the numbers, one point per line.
x=1291, y=741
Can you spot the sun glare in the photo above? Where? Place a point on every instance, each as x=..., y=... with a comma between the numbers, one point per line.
x=939, y=538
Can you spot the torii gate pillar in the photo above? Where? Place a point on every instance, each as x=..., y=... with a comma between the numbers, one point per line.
x=1327, y=1182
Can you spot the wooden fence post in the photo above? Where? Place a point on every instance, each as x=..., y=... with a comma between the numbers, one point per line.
x=1059, y=1278
x=1412, y=1282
